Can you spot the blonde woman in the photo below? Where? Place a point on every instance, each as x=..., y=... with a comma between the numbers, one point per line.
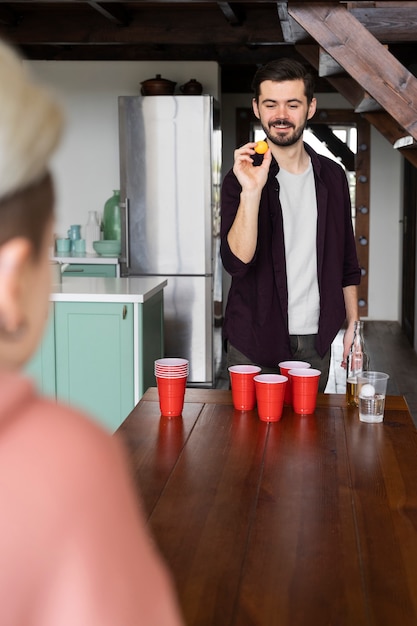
x=73, y=547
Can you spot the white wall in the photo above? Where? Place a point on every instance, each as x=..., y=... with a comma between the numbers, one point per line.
x=385, y=246
x=385, y=208
x=231, y=102
x=86, y=167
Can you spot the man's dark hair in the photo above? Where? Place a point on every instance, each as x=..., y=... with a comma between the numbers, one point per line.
x=284, y=69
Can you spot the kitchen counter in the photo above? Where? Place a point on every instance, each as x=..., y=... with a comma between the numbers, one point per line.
x=102, y=338
x=93, y=259
x=134, y=289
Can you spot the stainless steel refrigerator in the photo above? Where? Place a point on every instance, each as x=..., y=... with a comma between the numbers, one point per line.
x=170, y=160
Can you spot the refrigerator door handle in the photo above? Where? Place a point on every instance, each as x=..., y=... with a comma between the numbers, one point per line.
x=125, y=205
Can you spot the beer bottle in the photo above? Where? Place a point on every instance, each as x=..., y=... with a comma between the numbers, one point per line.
x=357, y=362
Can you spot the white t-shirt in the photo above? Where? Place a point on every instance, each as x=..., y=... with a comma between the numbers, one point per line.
x=299, y=210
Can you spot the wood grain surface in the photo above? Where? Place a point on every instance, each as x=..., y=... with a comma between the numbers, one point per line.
x=310, y=520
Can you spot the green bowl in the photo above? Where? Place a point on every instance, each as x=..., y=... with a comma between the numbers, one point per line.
x=107, y=247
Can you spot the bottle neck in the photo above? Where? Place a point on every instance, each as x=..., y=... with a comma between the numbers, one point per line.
x=358, y=333
x=357, y=359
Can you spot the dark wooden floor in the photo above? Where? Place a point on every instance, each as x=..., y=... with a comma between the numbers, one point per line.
x=389, y=352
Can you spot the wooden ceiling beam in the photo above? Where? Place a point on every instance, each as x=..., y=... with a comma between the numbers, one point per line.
x=188, y=30
x=9, y=17
x=111, y=11
x=328, y=66
x=354, y=94
x=387, y=21
x=365, y=59
x=384, y=123
x=292, y=32
x=79, y=24
x=367, y=104
x=238, y=56
x=233, y=13
x=360, y=100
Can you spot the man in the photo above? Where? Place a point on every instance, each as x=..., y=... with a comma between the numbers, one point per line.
x=286, y=236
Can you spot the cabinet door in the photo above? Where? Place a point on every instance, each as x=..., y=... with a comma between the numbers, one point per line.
x=151, y=337
x=94, y=358
x=41, y=367
x=93, y=269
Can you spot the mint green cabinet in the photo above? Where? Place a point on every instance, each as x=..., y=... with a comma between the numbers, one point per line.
x=42, y=365
x=90, y=269
x=99, y=356
x=94, y=358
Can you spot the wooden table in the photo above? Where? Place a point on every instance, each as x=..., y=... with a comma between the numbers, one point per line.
x=308, y=521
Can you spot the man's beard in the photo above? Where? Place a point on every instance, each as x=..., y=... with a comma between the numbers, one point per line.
x=287, y=140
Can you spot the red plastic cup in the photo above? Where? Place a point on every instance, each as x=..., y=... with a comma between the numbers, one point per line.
x=243, y=386
x=171, y=391
x=305, y=385
x=270, y=392
x=285, y=367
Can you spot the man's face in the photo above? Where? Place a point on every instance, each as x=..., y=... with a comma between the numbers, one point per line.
x=283, y=110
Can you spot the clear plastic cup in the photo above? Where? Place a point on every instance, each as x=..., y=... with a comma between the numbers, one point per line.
x=372, y=389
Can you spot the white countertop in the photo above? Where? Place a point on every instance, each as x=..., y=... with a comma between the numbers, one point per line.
x=86, y=258
x=89, y=289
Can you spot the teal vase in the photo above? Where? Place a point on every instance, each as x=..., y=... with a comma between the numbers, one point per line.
x=111, y=217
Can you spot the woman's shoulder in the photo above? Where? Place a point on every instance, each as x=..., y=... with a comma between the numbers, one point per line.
x=44, y=439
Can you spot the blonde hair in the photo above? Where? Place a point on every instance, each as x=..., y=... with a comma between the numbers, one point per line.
x=31, y=124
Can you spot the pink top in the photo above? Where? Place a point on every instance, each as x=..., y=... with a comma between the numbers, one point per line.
x=73, y=545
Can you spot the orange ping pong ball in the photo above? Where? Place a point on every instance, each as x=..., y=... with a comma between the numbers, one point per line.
x=261, y=147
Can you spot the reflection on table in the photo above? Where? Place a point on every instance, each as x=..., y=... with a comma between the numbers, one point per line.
x=310, y=520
